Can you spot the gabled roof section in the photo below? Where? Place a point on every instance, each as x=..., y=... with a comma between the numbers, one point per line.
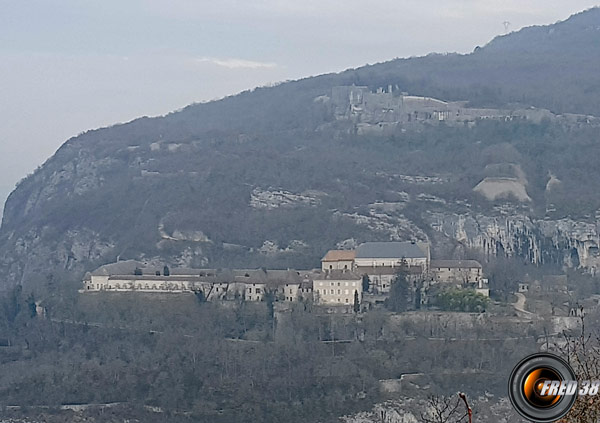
x=125, y=267
x=337, y=275
x=283, y=277
x=390, y=250
x=339, y=255
x=250, y=275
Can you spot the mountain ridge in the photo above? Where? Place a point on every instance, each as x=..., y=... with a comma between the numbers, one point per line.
x=105, y=193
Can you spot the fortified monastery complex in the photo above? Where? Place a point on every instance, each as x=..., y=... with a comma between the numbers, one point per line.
x=384, y=109
x=350, y=278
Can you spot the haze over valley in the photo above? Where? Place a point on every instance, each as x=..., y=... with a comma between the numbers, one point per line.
x=358, y=246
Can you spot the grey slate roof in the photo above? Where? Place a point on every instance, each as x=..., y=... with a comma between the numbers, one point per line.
x=337, y=275
x=280, y=277
x=390, y=250
x=272, y=278
x=160, y=278
x=125, y=267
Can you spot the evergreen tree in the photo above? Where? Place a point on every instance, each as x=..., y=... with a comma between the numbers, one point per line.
x=166, y=271
x=464, y=300
x=398, y=298
x=31, y=306
x=356, y=303
x=200, y=296
x=365, y=283
x=270, y=298
x=12, y=304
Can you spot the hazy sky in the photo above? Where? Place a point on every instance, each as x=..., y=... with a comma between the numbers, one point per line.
x=71, y=65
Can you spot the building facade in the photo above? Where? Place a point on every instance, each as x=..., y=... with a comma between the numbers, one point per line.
x=225, y=284
x=393, y=255
x=457, y=271
x=337, y=287
x=338, y=260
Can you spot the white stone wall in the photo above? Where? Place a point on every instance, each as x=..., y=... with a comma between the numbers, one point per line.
x=337, y=265
x=337, y=292
x=390, y=262
x=96, y=283
x=104, y=283
x=254, y=292
x=212, y=291
x=456, y=274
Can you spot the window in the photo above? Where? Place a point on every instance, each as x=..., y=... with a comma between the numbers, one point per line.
x=332, y=292
x=346, y=299
x=346, y=292
x=346, y=283
x=339, y=283
x=250, y=290
x=330, y=267
x=339, y=291
x=258, y=290
x=291, y=292
x=345, y=266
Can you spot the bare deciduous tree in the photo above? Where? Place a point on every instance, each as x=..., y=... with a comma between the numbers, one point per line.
x=582, y=351
x=442, y=409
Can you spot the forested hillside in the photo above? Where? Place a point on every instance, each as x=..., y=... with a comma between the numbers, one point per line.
x=174, y=358
x=269, y=178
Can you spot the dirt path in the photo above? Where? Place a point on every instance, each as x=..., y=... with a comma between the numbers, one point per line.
x=520, y=305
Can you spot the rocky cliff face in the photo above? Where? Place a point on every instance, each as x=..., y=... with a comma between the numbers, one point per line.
x=271, y=178
x=564, y=242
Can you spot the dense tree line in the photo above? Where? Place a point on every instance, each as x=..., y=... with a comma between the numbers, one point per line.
x=222, y=362
x=466, y=300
